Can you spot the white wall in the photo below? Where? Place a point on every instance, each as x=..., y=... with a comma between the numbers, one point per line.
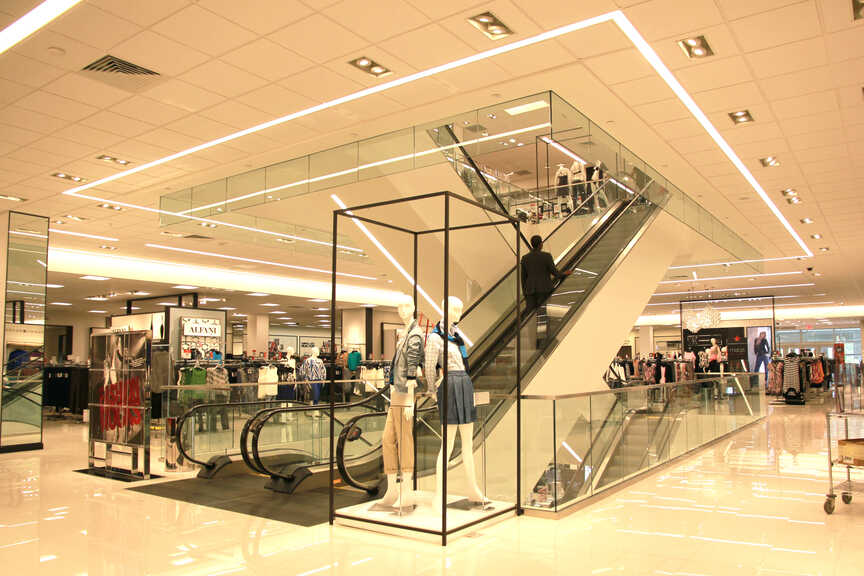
x=81, y=323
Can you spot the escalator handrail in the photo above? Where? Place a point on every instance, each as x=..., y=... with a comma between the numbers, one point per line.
x=263, y=417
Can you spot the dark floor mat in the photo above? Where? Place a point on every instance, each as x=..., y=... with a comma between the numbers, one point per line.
x=246, y=494
x=122, y=477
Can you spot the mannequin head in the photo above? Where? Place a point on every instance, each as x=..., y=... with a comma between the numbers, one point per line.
x=289, y=351
x=713, y=342
x=454, y=309
x=314, y=352
x=405, y=307
x=598, y=164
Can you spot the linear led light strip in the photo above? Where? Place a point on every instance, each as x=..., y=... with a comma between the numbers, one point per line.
x=357, y=169
x=746, y=299
x=735, y=289
x=682, y=267
x=256, y=261
x=570, y=154
x=615, y=16
x=33, y=21
x=731, y=277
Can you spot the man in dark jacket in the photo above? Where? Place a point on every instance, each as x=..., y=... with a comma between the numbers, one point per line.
x=538, y=274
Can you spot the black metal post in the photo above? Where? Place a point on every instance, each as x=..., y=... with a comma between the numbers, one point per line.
x=773, y=325
x=333, y=371
x=416, y=315
x=681, y=326
x=445, y=460
x=518, y=276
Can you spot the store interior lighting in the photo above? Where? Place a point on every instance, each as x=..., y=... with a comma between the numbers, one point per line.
x=696, y=47
x=35, y=19
x=490, y=26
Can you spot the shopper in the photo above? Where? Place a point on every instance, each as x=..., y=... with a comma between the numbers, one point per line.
x=538, y=274
x=762, y=350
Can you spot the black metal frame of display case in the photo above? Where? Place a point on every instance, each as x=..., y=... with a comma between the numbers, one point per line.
x=681, y=304
x=446, y=229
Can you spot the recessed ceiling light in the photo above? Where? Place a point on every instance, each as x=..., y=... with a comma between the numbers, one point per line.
x=120, y=161
x=114, y=207
x=207, y=224
x=696, y=47
x=285, y=240
x=91, y=277
x=65, y=176
x=370, y=67
x=11, y=198
x=741, y=117
x=258, y=294
x=227, y=308
x=96, y=298
x=769, y=162
x=490, y=26
x=75, y=218
x=107, y=247
x=60, y=304
x=238, y=315
x=277, y=312
x=98, y=311
x=166, y=303
x=525, y=108
x=824, y=249
x=322, y=316
x=185, y=287
x=318, y=300
x=171, y=234
x=857, y=9
x=815, y=236
x=793, y=200
x=285, y=318
x=83, y=235
x=269, y=304
x=58, y=222
x=789, y=192
x=806, y=220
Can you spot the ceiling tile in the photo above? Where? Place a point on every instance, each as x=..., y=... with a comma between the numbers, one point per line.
x=275, y=100
x=236, y=114
x=716, y=74
x=812, y=123
x=183, y=95
x=734, y=9
x=789, y=58
x=223, y=78
x=71, y=110
x=75, y=56
x=262, y=17
x=376, y=20
x=848, y=72
x=27, y=71
x=92, y=136
x=86, y=90
x=267, y=59
x=159, y=53
x=719, y=37
x=203, y=30
x=117, y=124
x=814, y=139
x=654, y=21
x=413, y=47
x=806, y=105
x=757, y=132
x=664, y=111
x=643, y=90
x=94, y=26
x=776, y=27
x=796, y=83
x=149, y=110
x=11, y=91
x=679, y=128
x=28, y=119
x=142, y=13
x=599, y=39
x=536, y=58
x=730, y=98
x=19, y=136
x=320, y=84
x=201, y=128
x=65, y=148
x=619, y=66
x=319, y=39
x=846, y=44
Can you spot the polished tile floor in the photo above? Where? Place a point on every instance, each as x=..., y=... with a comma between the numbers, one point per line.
x=751, y=504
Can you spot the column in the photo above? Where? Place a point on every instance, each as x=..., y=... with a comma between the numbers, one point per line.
x=257, y=334
x=23, y=262
x=646, y=340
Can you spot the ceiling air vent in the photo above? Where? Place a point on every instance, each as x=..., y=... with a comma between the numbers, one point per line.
x=121, y=74
x=197, y=237
x=475, y=128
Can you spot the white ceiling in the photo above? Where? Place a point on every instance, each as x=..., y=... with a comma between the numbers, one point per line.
x=797, y=66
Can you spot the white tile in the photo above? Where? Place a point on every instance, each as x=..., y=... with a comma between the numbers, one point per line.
x=654, y=21
x=86, y=90
x=236, y=114
x=159, y=53
x=376, y=20
x=94, y=26
x=262, y=17
x=142, y=13
x=267, y=59
x=782, y=26
x=75, y=54
x=716, y=74
x=806, y=105
x=619, y=66
x=117, y=124
x=319, y=39
x=11, y=91
x=320, y=84
x=413, y=46
x=149, y=110
x=204, y=31
x=789, y=58
x=24, y=70
x=30, y=120
x=61, y=107
x=183, y=95
x=223, y=78
x=275, y=100
x=734, y=9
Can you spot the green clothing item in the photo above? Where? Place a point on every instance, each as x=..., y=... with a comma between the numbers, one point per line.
x=194, y=377
x=354, y=359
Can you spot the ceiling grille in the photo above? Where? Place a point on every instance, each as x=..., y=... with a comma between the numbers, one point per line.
x=116, y=65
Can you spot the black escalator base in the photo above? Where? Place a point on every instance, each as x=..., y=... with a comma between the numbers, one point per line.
x=288, y=483
x=214, y=466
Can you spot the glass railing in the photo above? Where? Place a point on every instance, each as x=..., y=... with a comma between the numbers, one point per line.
x=580, y=445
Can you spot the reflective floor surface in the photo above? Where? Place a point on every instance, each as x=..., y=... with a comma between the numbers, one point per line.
x=750, y=504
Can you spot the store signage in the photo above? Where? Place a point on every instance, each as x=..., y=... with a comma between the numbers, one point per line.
x=207, y=327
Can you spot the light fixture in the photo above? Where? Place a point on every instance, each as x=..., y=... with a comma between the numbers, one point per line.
x=207, y=224
x=75, y=218
x=806, y=220
x=528, y=107
x=12, y=198
x=171, y=234
x=285, y=318
x=60, y=304
x=793, y=200
x=227, y=308
x=741, y=117
x=490, y=26
x=97, y=278
x=138, y=293
x=108, y=247
x=239, y=315
x=53, y=285
x=166, y=303
x=286, y=240
x=257, y=294
x=257, y=261
x=734, y=289
x=789, y=193
x=318, y=300
x=370, y=67
x=98, y=311
x=769, y=162
x=185, y=287
x=857, y=9
x=824, y=249
x=739, y=277
x=120, y=161
x=696, y=47
x=322, y=316
x=815, y=236
x=83, y=235
x=277, y=312
x=58, y=222
x=109, y=206
x=65, y=176
x=33, y=21
x=269, y=304
x=96, y=298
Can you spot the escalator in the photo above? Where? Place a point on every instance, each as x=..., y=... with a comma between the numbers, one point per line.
x=21, y=401
x=588, y=257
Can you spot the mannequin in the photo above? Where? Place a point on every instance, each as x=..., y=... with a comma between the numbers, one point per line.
x=447, y=347
x=577, y=185
x=714, y=356
x=398, y=439
x=313, y=370
x=597, y=186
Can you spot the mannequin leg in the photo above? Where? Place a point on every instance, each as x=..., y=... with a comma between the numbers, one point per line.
x=466, y=433
x=439, y=468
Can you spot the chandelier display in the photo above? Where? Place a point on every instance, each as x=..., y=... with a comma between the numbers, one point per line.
x=707, y=317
